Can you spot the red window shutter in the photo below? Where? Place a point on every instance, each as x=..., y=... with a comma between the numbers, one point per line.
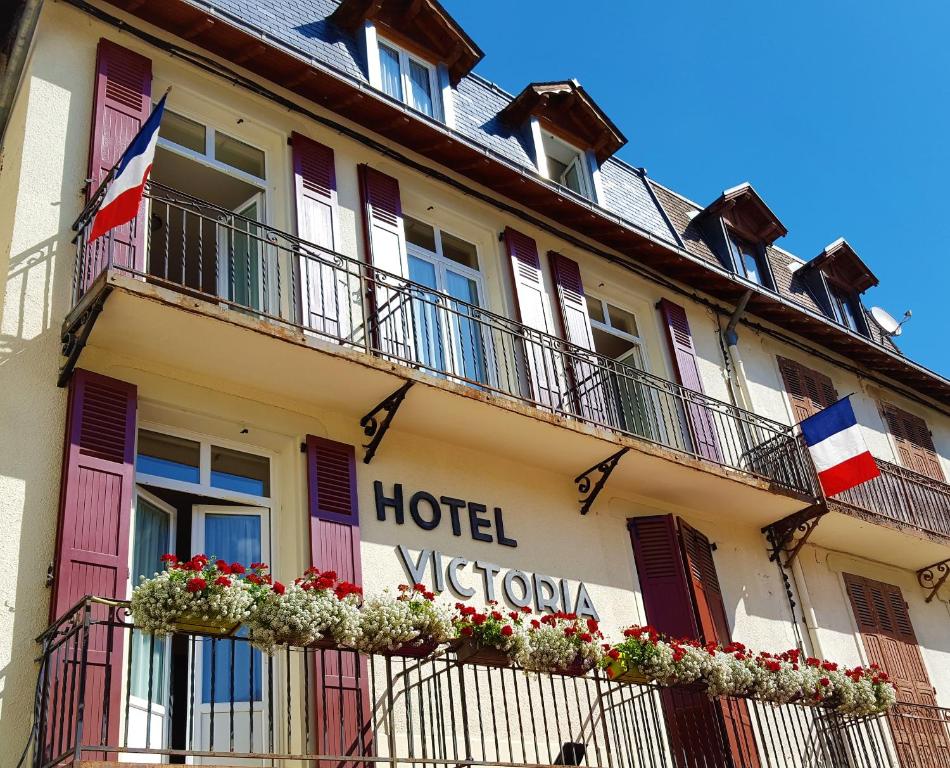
x=714, y=626
x=92, y=543
x=588, y=383
x=335, y=545
x=122, y=102
x=530, y=305
x=795, y=389
x=915, y=445
x=324, y=297
x=385, y=243
x=700, y=421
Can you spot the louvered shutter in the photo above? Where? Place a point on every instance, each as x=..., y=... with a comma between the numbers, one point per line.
x=327, y=286
x=890, y=641
x=542, y=365
x=588, y=383
x=342, y=694
x=714, y=626
x=692, y=720
x=698, y=421
x=808, y=391
x=122, y=102
x=92, y=542
x=915, y=445
x=391, y=322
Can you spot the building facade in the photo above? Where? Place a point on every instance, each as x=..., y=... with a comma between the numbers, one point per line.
x=378, y=315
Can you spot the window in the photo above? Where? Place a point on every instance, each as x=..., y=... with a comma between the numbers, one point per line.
x=173, y=458
x=844, y=305
x=567, y=165
x=749, y=260
x=408, y=79
x=192, y=139
x=615, y=331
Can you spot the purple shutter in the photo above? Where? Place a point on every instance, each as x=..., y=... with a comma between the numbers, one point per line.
x=699, y=420
x=526, y=277
x=692, y=720
x=385, y=242
x=325, y=306
x=92, y=543
x=342, y=693
x=587, y=381
x=122, y=102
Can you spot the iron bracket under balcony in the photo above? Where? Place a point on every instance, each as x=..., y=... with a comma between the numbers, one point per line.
x=790, y=534
x=375, y=429
x=933, y=577
x=583, y=480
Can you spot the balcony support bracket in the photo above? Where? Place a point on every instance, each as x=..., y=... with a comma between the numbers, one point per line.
x=933, y=577
x=593, y=488
x=376, y=429
x=790, y=534
x=77, y=328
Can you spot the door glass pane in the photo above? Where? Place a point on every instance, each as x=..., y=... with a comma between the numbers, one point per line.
x=458, y=250
x=237, y=154
x=239, y=471
x=389, y=69
x=245, y=257
x=183, y=131
x=419, y=233
x=421, y=88
x=468, y=347
x=150, y=542
x=233, y=538
x=167, y=456
x=427, y=315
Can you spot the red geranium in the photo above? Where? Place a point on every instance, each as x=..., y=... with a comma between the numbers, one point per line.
x=223, y=581
x=197, y=584
x=278, y=588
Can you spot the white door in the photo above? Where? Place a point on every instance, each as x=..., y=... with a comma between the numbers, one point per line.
x=229, y=681
x=241, y=255
x=153, y=534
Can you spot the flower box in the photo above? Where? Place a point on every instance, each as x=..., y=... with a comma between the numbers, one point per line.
x=420, y=648
x=618, y=673
x=576, y=668
x=196, y=625
x=471, y=652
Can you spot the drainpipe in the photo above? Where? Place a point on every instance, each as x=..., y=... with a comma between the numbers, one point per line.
x=808, y=610
x=16, y=61
x=737, y=370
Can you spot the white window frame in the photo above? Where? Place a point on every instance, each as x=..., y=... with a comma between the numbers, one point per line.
x=404, y=58
x=608, y=328
x=579, y=160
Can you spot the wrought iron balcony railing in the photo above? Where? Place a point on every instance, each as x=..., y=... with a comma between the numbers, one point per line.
x=207, y=251
x=904, y=496
x=108, y=692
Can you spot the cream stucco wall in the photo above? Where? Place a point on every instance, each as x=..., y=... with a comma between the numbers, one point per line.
x=43, y=169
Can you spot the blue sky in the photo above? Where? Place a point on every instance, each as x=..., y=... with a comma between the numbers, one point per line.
x=837, y=112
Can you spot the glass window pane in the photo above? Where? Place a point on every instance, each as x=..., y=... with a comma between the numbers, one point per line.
x=571, y=179
x=167, y=456
x=595, y=309
x=419, y=233
x=421, y=87
x=622, y=320
x=151, y=541
x=556, y=169
x=458, y=250
x=239, y=471
x=461, y=287
x=237, y=154
x=751, y=263
x=609, y=345
x=389, y=69
x=183, y=131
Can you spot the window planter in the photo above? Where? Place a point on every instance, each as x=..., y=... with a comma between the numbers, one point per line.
x=196, y=625
x=618, y=673
x=473, y=652
x=419, y=648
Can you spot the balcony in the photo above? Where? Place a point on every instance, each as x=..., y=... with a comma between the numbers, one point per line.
x=218, y=264
x=107, y=692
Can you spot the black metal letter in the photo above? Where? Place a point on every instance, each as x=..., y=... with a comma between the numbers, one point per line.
x=454, y=506
x=382, y=501
x=426, y=525
x=476, y=522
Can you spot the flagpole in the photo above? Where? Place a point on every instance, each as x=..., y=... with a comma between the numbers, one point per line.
x=94, y=198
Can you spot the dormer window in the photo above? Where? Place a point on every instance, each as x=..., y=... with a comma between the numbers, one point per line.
x=409, y=79
x=843, y=304
x=566, y=165
x=837, y=277
x=749, y=260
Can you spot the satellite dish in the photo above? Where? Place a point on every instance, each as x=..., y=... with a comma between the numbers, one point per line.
x=888, y=324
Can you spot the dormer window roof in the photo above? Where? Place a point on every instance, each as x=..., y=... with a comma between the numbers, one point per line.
x=422, y=27
x=841, y=264
x=567, y=111
x=744, y=212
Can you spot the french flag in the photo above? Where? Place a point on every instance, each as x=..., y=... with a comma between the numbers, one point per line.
x=124, y=194
x=837, y=448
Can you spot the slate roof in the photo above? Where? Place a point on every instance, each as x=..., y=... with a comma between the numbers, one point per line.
x=303, y=26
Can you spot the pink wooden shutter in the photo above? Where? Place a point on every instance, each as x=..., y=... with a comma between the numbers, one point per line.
x=588, y=382
x=92, y=543
x=324, y=299
x=385, y=242
x=341, y=679
x=122, y=102
x=542, y=365
x=700, y=420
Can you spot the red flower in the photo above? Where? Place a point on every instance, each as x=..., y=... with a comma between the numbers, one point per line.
x=254, y=579
x=278, y=588
x=169, y=558
x=258, y=566
x=773, y=666
x=496, y=615
x=613, y=653
x=479, y=618
x=514, y=616
x=197, y=584
x=418, y=587
x=535, y=623
x=811, y=661
x=592, y=625
x=587, y=637
x=525, y=609
x=829, y=666
x=467, y=631
x=223, y=566
x=507, y=631
x=223, y=581
x=569, y=631
x=429, y=595
x=403, y=587
x=237, y=568
x=824, y=681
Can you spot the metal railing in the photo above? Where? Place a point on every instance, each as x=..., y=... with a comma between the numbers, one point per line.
x=921, y=734
x=107, y=691
x=210, y=252
x=904, y=496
